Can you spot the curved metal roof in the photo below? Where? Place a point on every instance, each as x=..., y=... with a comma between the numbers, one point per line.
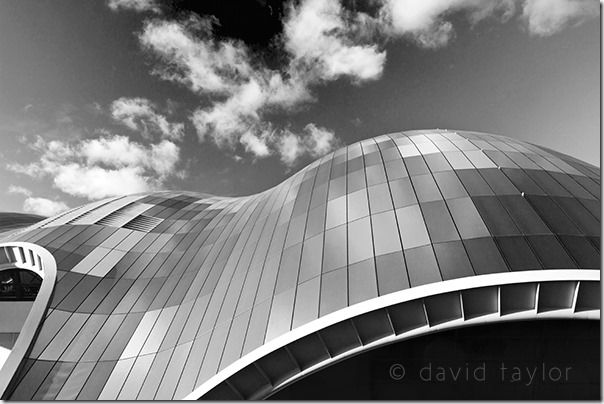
x=182, y=295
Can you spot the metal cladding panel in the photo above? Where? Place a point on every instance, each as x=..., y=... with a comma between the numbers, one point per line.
x=151, y=307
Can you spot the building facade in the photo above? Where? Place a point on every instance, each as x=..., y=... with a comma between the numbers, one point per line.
x=173, y=295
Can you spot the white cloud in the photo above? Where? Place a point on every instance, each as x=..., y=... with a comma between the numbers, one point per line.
x=39, y=206
x=319, y=35
x=203, y=64
x=16, y=189
x=290, y=148
x=135, y=5
x=546, y=17
x=43, y=206
x=425, y=21
x=96, y=182
x=241, y=90
x=314, y=141
x=227, y=121
x=139, y=114
x=319, y=141
x=255, y=145
x=108, y=166
x=322, y=41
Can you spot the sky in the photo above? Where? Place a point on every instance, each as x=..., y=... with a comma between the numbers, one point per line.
x=101, y=98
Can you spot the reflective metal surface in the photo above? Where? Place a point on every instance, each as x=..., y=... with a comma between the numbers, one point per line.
x=157, y=294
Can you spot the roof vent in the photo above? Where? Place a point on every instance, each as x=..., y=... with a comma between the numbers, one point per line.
x=143, y=223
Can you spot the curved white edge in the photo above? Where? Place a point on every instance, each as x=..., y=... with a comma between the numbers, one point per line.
x=437, y=288
x=36, y=313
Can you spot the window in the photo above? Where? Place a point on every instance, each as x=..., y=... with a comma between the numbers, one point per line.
x=402, y=193
x=416, y=165
x=337, y=188
x=356, y=180
x=500, y=184
x=411, y=226
x=312, y=254
x=467, y=219
x=335, y=248
x=495, y=216
x=357, y=205
x=473, y=182
x=361, y=281
x=385, y=233
x=551, y=253
x=336, y=212
x=479, y=159
x=391, y=273
x=439, y=222
x=449, y=185
x=19, y=285
x=379, y=198
x=396, y=169
x=453, y=260
x=421, y=266
x=582, y=251
x=360, y=246
x=375, y=175
x=524, y=215
x=552, y=215
x=437, y=163
x=334, y=288
x=425, y=188
x=523, y=182
x=518, y=254
x=484, y=256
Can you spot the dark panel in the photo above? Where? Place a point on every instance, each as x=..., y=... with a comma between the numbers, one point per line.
x=96, y=382
x=518, y=254
x=391, y=273
x=582, y=251
x=495, y=216
x=550, y=252
x=498, y=182
x=33, y=379
x=421, y=266
x=373, y=326
x=524, y=216
x=553, y=215
x=408, y=316
x=453, y=260
x=474, y=183
x=340, y=337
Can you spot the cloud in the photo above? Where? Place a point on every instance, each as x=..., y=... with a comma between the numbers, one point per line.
x=43, y=206
x=255, y=145
x=322, y=41
x=241, y=90
x=39, y=206
x=328, y=41
x=546, y=17
x=107, y=166
x=192, y=57
x=315, y=141
x=425, y=21
x=19, y=190
x=134, y=5
x=139, y=114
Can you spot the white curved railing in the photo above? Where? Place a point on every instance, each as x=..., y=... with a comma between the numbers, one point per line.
x=559, y=300
x=36, y=259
